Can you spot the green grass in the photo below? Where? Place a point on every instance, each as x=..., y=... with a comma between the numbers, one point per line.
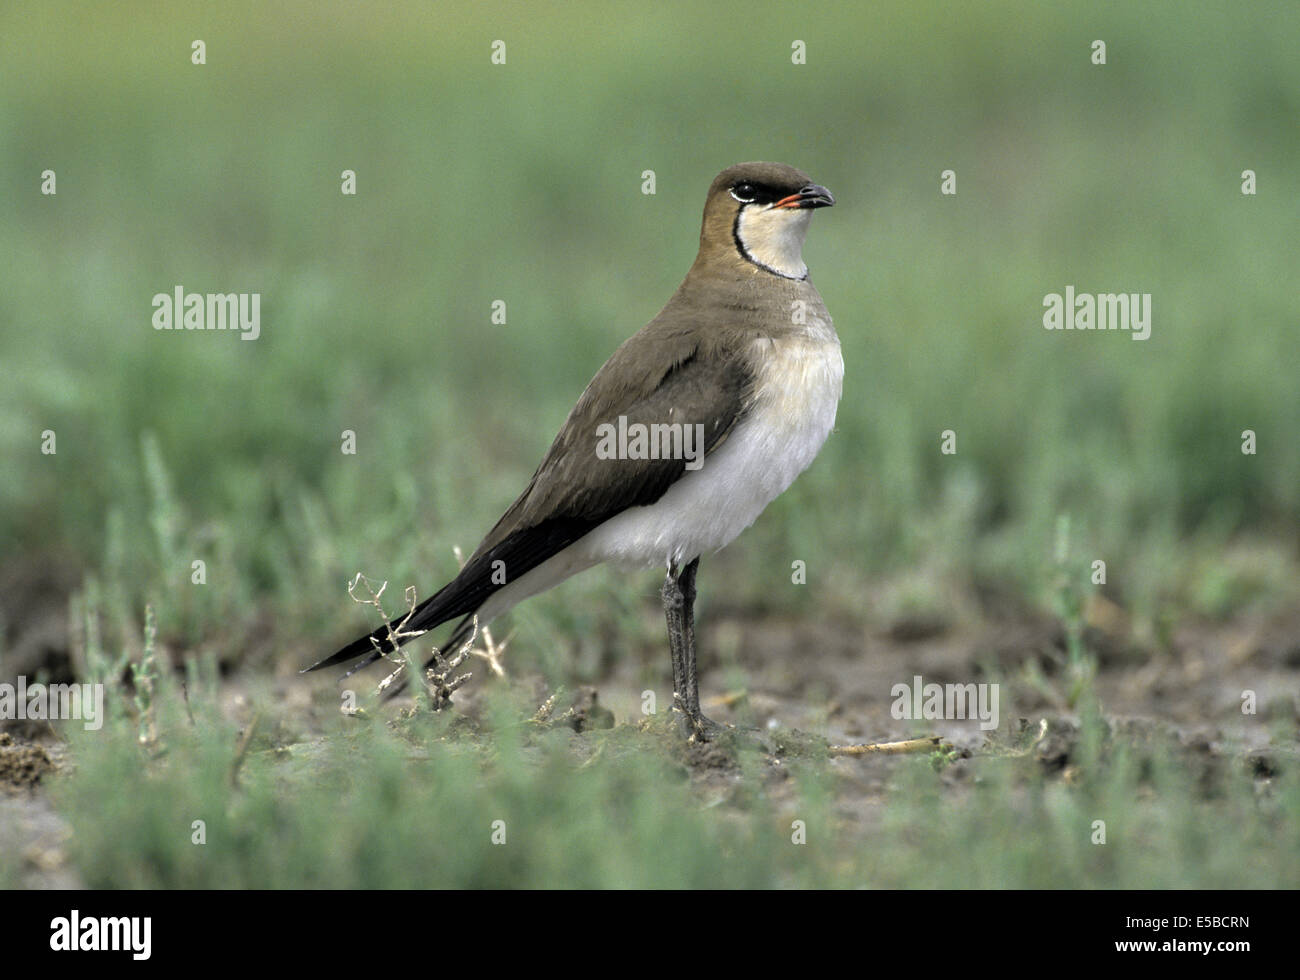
x=480, y=183
x=522, y=182
x=424, y=803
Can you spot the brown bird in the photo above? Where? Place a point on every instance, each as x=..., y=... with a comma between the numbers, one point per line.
x=692, y=427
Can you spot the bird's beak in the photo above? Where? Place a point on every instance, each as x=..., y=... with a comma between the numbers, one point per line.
x=812, y=196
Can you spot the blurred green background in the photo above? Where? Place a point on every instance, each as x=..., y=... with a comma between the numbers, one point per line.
x=522, y=182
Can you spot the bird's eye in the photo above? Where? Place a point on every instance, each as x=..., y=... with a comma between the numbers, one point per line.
x=745, y=193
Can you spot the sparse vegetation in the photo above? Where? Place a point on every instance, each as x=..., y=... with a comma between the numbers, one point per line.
x=523, y=184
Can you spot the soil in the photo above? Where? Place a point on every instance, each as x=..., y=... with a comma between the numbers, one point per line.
x=835, y=679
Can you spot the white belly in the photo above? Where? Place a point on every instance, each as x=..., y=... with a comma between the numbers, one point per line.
x=800, y=388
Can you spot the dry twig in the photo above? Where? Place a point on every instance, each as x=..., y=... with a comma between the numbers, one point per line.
x=439, y=679
x=927, y=744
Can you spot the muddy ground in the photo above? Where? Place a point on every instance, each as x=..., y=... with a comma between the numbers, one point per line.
x=809, y=676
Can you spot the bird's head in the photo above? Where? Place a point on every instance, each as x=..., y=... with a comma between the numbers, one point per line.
x=760, y=212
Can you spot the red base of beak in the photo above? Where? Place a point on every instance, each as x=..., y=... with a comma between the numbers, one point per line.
x=813, y=196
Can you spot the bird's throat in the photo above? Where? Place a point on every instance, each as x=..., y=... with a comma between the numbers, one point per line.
x=772, y=238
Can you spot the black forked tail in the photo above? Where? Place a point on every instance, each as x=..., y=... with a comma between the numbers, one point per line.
x=463, y=595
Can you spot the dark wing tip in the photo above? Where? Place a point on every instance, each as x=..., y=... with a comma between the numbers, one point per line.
x=363, y=647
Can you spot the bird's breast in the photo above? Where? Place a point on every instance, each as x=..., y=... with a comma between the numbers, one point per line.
x=791, y=411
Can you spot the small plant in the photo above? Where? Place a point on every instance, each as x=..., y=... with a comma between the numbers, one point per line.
x=144, y=677
x=435, y=685
x=944, y=756
x=1068, y=600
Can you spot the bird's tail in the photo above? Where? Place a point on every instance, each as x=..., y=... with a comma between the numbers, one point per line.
x=465, y=594
x=432, y=612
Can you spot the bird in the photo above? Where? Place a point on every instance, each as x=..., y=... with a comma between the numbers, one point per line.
x=692, y=427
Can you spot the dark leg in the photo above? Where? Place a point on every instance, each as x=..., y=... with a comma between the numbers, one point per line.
x=672, y=606
x=691, y=692
x=679, y=610
x=674, y=602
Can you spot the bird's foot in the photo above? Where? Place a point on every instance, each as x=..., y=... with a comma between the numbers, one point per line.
x=697, y=728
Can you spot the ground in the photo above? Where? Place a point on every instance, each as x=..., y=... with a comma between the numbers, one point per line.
x=801, y=687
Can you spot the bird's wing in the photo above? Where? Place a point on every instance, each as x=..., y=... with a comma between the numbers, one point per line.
x=655, y=377
x=675, y=384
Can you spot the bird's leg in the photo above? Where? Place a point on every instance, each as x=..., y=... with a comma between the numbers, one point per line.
x=679, y=610
x=674, y=602
x=686, y=585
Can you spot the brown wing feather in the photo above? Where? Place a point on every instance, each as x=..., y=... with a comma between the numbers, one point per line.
x=573, y=483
